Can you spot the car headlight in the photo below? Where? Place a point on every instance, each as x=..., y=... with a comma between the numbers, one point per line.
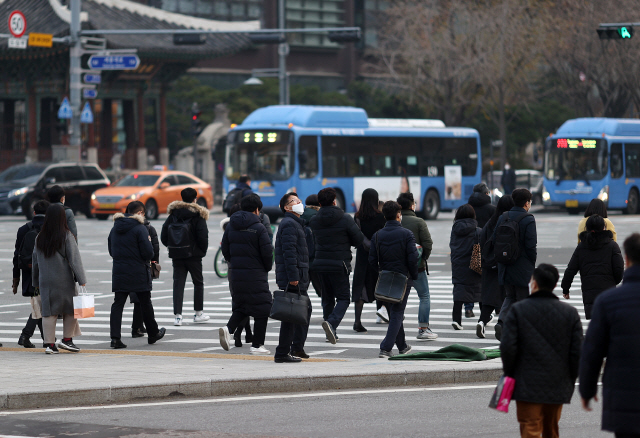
x=17, y=192
x=604, y=194
x=497, y=193
x=136, y=196
x=546, y=196
x=93, y=196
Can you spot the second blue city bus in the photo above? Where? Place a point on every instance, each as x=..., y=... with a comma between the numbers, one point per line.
x=308, y=148
x=593, y=158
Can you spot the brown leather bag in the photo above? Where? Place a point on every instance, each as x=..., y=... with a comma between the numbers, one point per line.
x=155, y=270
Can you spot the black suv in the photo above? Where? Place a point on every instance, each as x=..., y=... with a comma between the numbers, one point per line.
x=23, y=185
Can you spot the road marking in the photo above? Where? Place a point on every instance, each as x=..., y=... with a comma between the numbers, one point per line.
x=254, y=398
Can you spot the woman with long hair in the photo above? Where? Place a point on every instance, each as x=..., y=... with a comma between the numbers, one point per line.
x=492, y=293
x=599, y=261
x=597, y=206
x=365, y=277
x=466, y=282
x=57, y=266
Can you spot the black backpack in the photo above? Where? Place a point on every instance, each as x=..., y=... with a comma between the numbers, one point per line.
x=25, y=253
x=232, y=199
x=180, y=239
x=506, y=244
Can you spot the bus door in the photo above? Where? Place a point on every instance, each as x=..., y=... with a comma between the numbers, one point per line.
x=617, y=187
x=308, y=166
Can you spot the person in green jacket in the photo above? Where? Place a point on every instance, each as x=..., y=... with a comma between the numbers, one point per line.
x=423, y=238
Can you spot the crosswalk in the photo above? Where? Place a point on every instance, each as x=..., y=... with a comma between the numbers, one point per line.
x=191, y=337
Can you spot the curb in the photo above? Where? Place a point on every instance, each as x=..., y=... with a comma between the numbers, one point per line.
x=220, y=388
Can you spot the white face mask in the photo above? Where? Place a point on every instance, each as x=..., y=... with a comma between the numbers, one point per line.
x=530, y=288
x=400, y=219
x=297, y=208
x=507, y=167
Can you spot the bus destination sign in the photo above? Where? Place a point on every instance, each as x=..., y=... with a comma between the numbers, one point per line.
x=574, y=143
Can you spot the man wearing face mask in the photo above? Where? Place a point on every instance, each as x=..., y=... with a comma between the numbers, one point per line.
x=292, y=272
x=540, y=349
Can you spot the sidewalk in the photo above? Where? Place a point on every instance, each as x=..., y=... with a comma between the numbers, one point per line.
x=30, y=379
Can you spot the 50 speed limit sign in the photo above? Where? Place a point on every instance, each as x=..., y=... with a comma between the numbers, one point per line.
x=17, y=24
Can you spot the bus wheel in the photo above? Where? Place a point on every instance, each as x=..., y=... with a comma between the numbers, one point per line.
x=632, y=202
x=431, y=205
x=340, y=200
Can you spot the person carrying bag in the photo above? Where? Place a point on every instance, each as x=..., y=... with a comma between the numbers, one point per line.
x=396, y=256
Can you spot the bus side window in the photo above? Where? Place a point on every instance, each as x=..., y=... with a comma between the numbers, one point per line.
x=308, y=156
x=632, y=155
x=334, y=157
x=616, y=160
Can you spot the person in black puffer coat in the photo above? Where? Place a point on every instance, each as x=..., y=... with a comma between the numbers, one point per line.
x=481, y=203
x=599, y=261
x=540, y=349
x=131, y=249
x=247, y=248
x=292, y=272
x=466, y=282
x=334, y=233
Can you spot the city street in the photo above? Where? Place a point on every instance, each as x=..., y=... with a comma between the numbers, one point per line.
x=450, y=411
x=556, y=241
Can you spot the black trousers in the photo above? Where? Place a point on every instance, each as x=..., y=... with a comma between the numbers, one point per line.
x=115, y=319
x=138, y=320
x=30, y=328
x=259, y=326
x=513, y=295
x=292, y=336
x=316, y=281
x=182, y=267
x=627, y=435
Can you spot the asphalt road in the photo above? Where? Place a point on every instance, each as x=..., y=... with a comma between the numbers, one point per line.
x=556, y=241
x=450, y=411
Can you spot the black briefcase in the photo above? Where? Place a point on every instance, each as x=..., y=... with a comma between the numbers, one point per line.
x=391, y=286
x=290, y=307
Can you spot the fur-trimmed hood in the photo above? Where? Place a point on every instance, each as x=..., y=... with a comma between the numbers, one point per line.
x=194, y=208
x=123, y=223
x=128, y=216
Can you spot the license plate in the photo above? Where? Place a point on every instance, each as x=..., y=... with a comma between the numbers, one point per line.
x=571, y=203
x=105, y=206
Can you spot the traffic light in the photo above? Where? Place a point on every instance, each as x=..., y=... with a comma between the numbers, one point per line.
x=348, y=36
x=189, y=39
x=196, y=123
x=616, y=32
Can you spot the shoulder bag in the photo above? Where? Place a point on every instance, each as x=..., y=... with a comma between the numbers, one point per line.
x=476, y=256
x=290, y=306
x=391, y=286
x=366, y=243
x=155, y=270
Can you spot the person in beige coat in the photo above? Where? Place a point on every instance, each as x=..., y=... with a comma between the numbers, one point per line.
x=597, y=206
x=56, y=269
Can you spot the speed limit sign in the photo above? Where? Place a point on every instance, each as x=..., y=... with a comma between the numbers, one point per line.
x=17, y=24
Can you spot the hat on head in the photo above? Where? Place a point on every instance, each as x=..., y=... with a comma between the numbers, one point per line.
x=481, y=188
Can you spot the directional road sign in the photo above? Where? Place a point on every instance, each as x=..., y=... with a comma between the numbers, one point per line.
x=90, y=93
x=114, y=62
x=86, y=116
x=92, y=79
x=65, y=111
x=17, y=24
x=41, y=39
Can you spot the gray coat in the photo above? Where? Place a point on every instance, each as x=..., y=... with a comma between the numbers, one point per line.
x=54, y=277
x=71, y=220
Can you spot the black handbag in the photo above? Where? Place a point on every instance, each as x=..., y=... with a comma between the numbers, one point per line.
x=391, y=286
x=290, y=307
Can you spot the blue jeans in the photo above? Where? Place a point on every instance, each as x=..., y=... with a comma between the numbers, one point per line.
x=395, y=331
x=422, y=287
x=336, y=296
x=468, y=306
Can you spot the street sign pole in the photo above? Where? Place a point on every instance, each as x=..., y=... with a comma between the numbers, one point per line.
x=283, y=51
x=75, y=83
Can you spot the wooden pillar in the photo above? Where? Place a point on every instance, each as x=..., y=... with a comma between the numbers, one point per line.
x=164, y=150
x=32, y=125
x=142, y=150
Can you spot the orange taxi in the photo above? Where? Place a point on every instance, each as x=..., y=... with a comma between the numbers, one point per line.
x=155, y=188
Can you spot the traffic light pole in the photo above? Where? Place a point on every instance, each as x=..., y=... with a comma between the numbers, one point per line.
x=283, y=51
x=75, y=85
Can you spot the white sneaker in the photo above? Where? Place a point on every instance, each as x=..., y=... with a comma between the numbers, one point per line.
x=259, y=350
x=456, y=326
x=492, y=320
x=225, y=337
x=178, y=320
x=383, y=314
x=200, y=319
x=480, y=330
x=379, y=320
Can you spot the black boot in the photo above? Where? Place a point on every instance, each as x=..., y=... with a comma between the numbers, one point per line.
x=25, y=342
x=117, y=343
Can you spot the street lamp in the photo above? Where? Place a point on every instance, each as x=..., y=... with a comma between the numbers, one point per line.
x=253, y=81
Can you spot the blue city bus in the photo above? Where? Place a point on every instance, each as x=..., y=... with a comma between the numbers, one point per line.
x=307, y=148
x=593, y=158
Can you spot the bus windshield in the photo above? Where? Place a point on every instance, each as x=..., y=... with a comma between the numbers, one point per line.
x=577, y=159
x=264, y=154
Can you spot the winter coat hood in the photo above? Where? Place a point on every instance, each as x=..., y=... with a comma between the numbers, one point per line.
x=601, y=239
x=328, y=216
x=478, y=199
x=122, y=223
x=241, y=220
x=184, y=210
x=464, y=227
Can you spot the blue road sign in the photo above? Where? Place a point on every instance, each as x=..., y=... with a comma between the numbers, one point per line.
x=92, y=79
x=89, y=93
x=114, y=62
x=86, y=116
x=65, y=111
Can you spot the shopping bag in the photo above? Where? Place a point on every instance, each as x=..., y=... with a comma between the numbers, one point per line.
x=36, y=305
x=83, y=305
x=502, y=394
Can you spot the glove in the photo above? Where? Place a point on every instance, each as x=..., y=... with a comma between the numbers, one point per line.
x=16, y=282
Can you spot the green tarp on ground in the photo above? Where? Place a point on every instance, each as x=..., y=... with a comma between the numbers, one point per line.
x=455, y=352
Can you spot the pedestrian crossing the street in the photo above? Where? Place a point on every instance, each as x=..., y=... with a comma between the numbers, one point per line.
x=191, y=337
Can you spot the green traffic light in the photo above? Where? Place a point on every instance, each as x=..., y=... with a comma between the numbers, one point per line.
x=624, y=33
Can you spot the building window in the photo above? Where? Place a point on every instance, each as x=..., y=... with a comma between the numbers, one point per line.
x=226, y=10
x=373, y=19
x=304, y=14
x=13, y=125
